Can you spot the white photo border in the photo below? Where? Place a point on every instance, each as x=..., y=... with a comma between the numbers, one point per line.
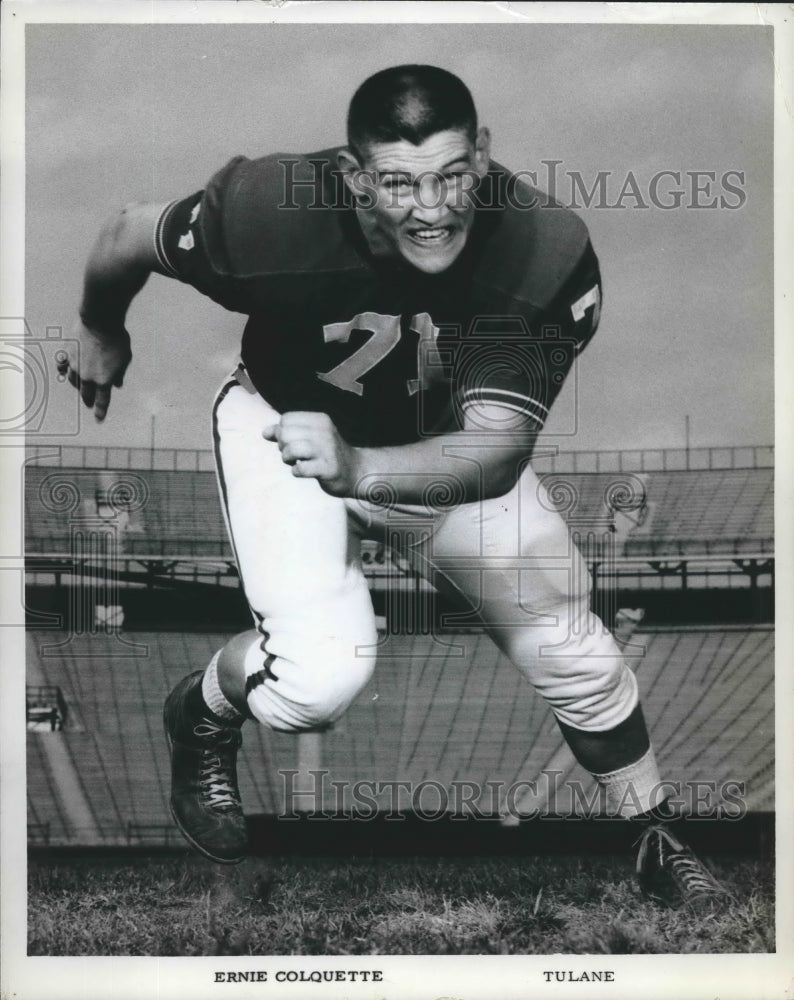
x=404, y=978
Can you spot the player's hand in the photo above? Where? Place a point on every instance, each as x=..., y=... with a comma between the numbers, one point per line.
x=315, y=449
x=95, y=364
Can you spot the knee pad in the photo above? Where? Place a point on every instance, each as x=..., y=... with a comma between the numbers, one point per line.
x=307, y=694
x=579, y=670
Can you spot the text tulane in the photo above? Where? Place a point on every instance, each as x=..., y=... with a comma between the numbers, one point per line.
x=586, y=976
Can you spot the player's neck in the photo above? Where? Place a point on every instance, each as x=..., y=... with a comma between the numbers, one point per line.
x=376, y=242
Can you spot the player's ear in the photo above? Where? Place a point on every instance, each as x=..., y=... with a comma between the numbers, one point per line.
x=352, y=171
x=482, y=151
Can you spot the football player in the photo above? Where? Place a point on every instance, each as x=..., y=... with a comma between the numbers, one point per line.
x=413, y=309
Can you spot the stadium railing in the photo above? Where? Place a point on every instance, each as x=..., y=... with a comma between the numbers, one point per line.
x=38, y=834
x=631, y=513
x=546, y=459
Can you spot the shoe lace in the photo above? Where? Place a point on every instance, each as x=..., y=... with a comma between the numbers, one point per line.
x=693, y=875
x=690, y=873
x=217, y=771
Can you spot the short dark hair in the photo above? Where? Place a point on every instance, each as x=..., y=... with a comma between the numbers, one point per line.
x=409, y=102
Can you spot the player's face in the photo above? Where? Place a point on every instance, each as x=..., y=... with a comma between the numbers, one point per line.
x=415, y=201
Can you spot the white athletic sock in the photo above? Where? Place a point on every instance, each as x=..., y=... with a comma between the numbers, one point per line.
x=633, y=789
x=216, y=700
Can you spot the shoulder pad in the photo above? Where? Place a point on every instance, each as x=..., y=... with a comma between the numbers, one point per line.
x=533, y=243
x=277, y=214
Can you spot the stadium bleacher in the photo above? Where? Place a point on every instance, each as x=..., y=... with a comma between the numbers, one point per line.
x=723, y=511
x=428, y=715
x=441, y=709
x=180, y=515
x=46, y=818
x=709, y=511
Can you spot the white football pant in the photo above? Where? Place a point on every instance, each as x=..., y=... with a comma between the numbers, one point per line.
x=298, y=553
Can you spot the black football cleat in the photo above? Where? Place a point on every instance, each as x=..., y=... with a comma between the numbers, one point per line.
x=670, y=873
x=205, y=800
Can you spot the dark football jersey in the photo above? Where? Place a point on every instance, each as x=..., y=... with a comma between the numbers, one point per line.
x=389, y=353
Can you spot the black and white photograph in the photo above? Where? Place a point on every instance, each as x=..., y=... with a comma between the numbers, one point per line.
x=395, y=434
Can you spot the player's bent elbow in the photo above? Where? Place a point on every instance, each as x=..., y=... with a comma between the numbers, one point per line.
x=127, y=237
x=497, y=484
x=118, y=227
x=503, y=466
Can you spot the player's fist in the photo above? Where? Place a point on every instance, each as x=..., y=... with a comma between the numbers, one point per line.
x=95, y=363
x=315, y=449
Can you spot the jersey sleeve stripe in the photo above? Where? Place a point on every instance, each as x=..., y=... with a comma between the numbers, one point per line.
x=159, y=241
x=472, y=399
x=509, y=406
x=503, y=396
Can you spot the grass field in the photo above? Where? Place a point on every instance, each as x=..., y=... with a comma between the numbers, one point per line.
x=183, y=905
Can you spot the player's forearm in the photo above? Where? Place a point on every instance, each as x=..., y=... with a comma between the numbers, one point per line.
x=116, y=270
x=450, y=464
